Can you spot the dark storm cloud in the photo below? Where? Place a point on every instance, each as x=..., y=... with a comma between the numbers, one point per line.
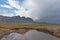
x=47, y=11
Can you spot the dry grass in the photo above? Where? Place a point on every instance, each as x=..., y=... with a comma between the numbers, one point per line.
x=27, y=25
x=54, y=28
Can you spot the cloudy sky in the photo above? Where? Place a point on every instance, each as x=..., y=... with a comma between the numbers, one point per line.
x=39, y=10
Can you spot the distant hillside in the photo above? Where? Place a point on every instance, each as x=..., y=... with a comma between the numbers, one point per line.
x=15, y=19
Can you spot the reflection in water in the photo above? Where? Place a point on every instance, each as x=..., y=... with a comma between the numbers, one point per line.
x=31, y=35
x=13, y=36
x=35, y=35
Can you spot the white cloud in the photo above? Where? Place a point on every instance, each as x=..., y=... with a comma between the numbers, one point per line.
x=29, y=4
x=6, y=6
x=38, y=9
x=43, y=8
x=14, y=4
x=22, y=12
x=10, y=15
x=22, y=8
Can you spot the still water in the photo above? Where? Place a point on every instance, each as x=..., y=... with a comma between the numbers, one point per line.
x=30, y=35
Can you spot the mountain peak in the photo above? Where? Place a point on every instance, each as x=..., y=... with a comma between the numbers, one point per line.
x=15, y=18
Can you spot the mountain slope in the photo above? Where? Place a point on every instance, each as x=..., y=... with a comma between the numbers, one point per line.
x=15, y=18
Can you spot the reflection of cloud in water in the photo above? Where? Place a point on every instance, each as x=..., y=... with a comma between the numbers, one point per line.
x=31, y=35
x=35, y=35
x=13, y=36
